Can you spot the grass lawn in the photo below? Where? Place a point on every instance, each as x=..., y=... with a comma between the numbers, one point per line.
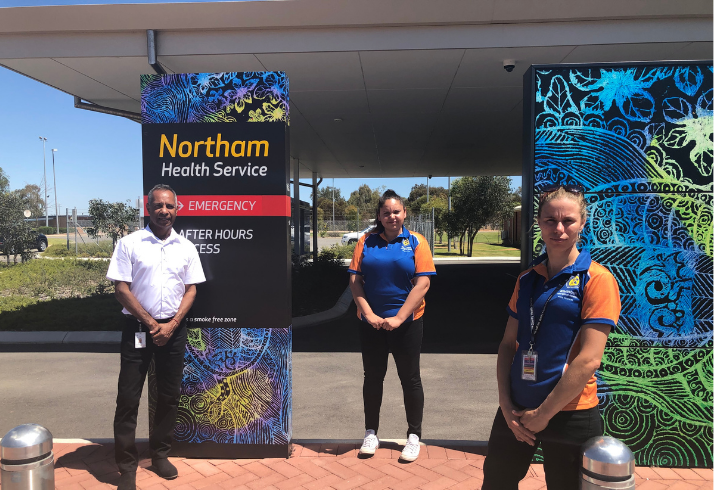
x=58, y=295
x=486, y=244
x=57, y=247
x=68, y=294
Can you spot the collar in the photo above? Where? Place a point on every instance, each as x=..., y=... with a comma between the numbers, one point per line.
x=582, y=264
x=150, y=234
x=405, y=233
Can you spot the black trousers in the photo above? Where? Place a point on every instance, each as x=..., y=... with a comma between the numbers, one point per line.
x=169, y=364
x=405, y=343
x=508, y=460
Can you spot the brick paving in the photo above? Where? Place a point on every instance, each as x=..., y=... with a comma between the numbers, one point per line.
x=85, y=466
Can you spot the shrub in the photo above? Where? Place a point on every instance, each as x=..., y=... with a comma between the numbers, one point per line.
x=100, y=250
x=338, y=251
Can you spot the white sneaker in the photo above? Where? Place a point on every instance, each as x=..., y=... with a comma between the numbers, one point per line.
x=412, y=448
x=370, y=443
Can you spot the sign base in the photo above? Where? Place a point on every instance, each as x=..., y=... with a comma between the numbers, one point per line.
x=207, y=450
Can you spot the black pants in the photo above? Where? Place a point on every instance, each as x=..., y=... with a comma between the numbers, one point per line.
x=169, y=364
x=508, y=460
x=405, y=343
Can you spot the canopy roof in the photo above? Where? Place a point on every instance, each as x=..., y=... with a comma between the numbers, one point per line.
x=379, y=88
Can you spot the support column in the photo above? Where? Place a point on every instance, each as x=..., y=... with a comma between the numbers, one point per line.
x=315, y=217
x=297, y=234
x=449, y=208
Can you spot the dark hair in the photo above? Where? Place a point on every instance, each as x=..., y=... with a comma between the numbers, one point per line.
x=386, y=196
x=159, y=187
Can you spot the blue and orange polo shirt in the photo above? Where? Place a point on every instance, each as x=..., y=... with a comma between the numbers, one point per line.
x=388, y=269
x=589, y=295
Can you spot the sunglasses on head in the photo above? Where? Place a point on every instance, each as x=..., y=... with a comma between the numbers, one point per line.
x=571, y=188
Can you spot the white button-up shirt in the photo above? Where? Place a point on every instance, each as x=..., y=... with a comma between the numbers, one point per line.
x=158, y=270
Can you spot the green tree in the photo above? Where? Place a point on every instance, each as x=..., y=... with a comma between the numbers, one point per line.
x=516, y=196
x=4, y=182
x=352, y=215
x=479, y=201
x=17, y=236
x=418, y=196
x=439, y=205
x=322, y=225
x=31, y=196
x=111, y=218
x=325, y=202
x=366, y=200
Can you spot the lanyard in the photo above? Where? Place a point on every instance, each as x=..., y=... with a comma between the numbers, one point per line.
x=535, y=328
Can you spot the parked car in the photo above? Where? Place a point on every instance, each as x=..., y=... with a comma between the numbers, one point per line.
x=354, y=236
x=40, y=242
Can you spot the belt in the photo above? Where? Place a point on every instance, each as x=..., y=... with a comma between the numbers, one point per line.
x=158, y=320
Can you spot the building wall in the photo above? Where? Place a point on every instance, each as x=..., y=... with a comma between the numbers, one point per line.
x=639, y=139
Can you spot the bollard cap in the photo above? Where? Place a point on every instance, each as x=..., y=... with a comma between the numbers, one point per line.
x=607, y=456
x=24, y=442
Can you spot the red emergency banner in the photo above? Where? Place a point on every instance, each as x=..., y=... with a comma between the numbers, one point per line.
x=231, y=205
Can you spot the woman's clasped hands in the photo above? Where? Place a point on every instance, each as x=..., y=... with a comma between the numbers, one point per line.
x=378, y=322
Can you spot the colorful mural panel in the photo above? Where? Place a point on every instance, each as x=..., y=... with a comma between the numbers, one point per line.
x=215, y=97
x=639, y=139
x=236, y=387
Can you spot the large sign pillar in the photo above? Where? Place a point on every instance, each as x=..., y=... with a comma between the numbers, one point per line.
x=221, y=141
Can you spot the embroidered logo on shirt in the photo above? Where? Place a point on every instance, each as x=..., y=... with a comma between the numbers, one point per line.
x=405, y=242
x=574, y=281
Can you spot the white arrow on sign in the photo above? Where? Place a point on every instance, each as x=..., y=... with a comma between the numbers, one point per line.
x=180, y=206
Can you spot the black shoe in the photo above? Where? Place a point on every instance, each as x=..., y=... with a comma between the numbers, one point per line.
x=128, y=481
x=164, y=469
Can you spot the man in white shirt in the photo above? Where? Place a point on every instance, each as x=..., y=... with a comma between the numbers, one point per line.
x=155, y=272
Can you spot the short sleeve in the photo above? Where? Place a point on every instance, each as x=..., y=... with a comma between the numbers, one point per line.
x=601, y=300
x=424, y=265
x=357, y=256
x=120, y=267
x=195, y=272
x=511, y=309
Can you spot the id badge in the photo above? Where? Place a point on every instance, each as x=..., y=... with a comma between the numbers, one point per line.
x=528, y=365
x=139, y=340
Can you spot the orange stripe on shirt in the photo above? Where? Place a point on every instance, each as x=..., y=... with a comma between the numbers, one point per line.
x=423, y=255
x=601, y=299
x=357, y=254
x=423, y=263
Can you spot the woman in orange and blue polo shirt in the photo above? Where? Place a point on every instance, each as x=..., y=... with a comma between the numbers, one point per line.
x=389, y=279
x=561, y=313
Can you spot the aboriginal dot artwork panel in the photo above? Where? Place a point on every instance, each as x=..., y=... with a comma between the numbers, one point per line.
x=215, y=97
x=639, y=139
x=237, y=382
x=236, y=386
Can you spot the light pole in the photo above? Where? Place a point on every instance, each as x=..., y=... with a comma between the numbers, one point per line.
x=44, y=168
x=333, y=191
x=54, y=183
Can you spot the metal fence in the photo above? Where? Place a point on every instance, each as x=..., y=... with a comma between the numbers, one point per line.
x=424, y=225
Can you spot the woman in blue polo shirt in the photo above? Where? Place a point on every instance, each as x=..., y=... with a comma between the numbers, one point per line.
x=389, y=279
x=560, y=315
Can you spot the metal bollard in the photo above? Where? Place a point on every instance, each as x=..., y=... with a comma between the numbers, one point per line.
x=607, y=464
x=26, y=459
